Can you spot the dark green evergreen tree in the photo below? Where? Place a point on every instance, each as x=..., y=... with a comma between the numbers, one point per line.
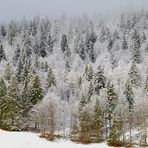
x=2, y=94
x=11, y=106
x=130, y=99
x=98, y=122
x=36, y=90
x=2, y=53
x=99, y=80
x=114, y=138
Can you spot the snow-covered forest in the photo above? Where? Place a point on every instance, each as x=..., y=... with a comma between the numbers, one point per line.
x=85, y=79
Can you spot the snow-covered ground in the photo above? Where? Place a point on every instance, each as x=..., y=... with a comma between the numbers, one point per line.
x=32, y=140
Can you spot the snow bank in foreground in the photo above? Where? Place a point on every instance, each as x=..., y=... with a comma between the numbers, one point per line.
x=31, y=140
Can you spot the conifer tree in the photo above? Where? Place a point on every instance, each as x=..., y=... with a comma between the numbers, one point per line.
x=111, y=102
x=8, y=72
x=134, y=76
x=90, y=40
x=50, y=44
x=25, y=99
x=146, y=85
x=99, y=80
x=36, y=90
x=136, y=55
x=84, y=127
x=50, y=80
x=17, y=54
x=2, y=53
x=114, y=138
x=90, y=91
x=11, y=106
x=2, y=94
x=64, y=46
x=83, y=102
x=89, y=73
x=130, y=99
x=81, y=50
x=98, y=122
x=124, y=44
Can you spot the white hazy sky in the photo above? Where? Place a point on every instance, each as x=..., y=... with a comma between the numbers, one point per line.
x=16, y=9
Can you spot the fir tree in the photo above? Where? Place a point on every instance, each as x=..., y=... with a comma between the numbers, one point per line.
x=64, y=46
x=110, y=44
x=130, y=99
x=111, y=102
x=89, y=43
x=89, y=73
x=2, y=94
x=136, y=55
x=83, y=102
x=50, y=80
x=146, y=85
x=25, y=99
x=134, y=76
x=143, y=38
x=114, y=138
x=98, y=122
x=42, y=51
x=2, y=53
x=17, y=54
x=81, y=49
x=99, y=80
x=124, y=44
x=84, y=127
x=8, y=72
x=3, y=31
x=11, y=106
x=36, y=90
x=90, y=91
x=50, y=44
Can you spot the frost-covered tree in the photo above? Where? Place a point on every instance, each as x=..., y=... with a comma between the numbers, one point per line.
x=81, y=49
x=99, y=80
x=8, y=72
x=136, y=55
x=134, y=76
x=36, y=90
x=17, y=54
x=146, y=85
x=112, y=101
x=98, y=122
x=2, y=94
x=89, y=73
x=90, y=40
x=11, y=106
x=50, y=80
x=114, y=138
x=129, y=94
x=50, y=43
x=2, y=53
x=90, y=91
x=64, y=46
x=124, y=43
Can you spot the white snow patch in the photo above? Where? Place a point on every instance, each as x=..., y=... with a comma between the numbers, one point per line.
x=32, y=140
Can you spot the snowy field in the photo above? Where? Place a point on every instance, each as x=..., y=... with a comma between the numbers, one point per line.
x=31, y=140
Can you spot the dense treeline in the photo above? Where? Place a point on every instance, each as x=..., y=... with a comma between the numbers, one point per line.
x=82, y=78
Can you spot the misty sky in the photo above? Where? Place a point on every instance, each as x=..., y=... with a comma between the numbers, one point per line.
x=16, y=9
